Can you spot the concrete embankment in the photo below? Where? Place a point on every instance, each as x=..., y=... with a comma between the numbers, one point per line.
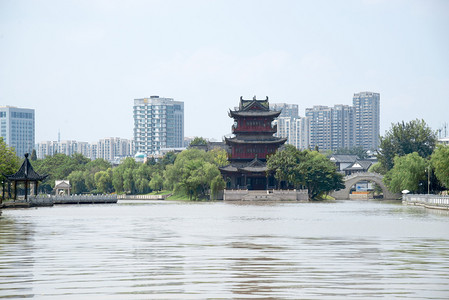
x=266, y=195
x=429, y=201
x=143, y=197
x=52, y=200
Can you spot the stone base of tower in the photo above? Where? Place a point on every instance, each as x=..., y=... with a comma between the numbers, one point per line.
x=266, y=195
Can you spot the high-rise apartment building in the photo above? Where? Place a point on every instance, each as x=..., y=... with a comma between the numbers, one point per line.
x=367, y=119
x=158, y=123
x=331, y=128
x=17, y=128
x=287, y=110
x=110, y=149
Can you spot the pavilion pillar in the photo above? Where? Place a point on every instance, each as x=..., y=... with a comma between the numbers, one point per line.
x=26, y=190
x=36, y=186
x=15, y=190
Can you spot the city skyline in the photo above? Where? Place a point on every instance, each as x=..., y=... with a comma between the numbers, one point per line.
x=79, y=65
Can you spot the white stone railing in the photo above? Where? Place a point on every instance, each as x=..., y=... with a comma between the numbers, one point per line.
x=430, y=201
x=73, y=199
x=143, y=197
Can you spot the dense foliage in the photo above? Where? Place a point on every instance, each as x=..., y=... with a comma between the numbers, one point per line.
x=408, y=173
x=405, y=138
x=309, y=169
x=440, y=164
x=193, y=173
x=9, y=162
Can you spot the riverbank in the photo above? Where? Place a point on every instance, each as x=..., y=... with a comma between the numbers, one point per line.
x=50, y=200
x=428, y=201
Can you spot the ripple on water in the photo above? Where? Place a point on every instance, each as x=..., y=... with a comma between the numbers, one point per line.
x=164, y=250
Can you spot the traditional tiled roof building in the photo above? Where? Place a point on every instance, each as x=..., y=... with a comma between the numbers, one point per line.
x=25, y=175
x=252, y=142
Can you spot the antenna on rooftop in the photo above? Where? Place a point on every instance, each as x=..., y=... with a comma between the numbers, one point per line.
x=59, y=135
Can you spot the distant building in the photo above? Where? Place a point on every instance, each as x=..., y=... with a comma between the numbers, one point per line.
x=17, y=127
x=367, y=119
x=110, y=149
x=287, y=110
x=331, y=128
x=158, y=123
x=291, y=126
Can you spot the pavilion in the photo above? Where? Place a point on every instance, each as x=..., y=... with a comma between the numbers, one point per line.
x=25, y=175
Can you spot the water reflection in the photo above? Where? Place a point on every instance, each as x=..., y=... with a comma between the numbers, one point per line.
x=172, y=250
x=16, y=258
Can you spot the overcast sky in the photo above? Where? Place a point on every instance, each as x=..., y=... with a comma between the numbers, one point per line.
x=80, y=64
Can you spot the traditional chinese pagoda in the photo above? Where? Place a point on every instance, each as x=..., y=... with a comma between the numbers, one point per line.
x=252, y=142
x=25, y=175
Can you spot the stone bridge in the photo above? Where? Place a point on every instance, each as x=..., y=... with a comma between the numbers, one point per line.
x=368, y=176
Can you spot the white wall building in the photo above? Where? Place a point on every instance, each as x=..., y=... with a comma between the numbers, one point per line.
x=158, y=123
x=17, y=127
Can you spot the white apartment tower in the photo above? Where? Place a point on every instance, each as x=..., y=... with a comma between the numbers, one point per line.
x=17, y=128
x=158, y=123
x=367, y=119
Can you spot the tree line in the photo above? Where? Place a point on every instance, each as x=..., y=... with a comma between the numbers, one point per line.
x=411, y=159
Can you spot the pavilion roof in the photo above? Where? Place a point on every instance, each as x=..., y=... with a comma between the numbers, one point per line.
x=254, y=166
x=270, y=140
x=26, y=173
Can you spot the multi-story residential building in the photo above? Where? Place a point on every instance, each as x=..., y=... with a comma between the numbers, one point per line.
x=367, y=119
x=17, y=128
x=158, y=123
x=287, y=110
x=320, y=126
x=109, y=149
x=331, y=128
x=291, y=126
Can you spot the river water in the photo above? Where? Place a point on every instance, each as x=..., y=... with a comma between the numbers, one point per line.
x=216, y=250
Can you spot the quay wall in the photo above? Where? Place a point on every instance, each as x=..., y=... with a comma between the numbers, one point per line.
x=265, y=195
x=429, y=201
x=72, y=199
x=143, y=197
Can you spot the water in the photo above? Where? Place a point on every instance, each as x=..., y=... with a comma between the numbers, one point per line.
x=178, y=250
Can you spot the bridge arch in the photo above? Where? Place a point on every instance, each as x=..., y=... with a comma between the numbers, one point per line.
x=368, y=176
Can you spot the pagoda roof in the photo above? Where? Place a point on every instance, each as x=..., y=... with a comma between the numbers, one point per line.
x=254, y=166
x=254, y=113
x=359, y=165
x=271, y=140
x=26, y=173
x=254, y=104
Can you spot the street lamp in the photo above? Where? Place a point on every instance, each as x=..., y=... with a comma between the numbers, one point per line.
x=428, y=180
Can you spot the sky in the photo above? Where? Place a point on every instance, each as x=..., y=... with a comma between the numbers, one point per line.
x=80, y=64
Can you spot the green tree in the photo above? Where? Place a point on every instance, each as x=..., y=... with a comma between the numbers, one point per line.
x=440, y=164
x=103, y=181
x=33, y=156
x=92, y=168
x=408, y=173
x=284, y=164
x=156, y=182
x=141, y=177
x=191, y=174
x=198, y=141
x=310, y=169
x=219, y=157
x=77, y=182
x=405, y=138
x=216, y=186
x=9, y=162
x=58, y=167
x=319, y=174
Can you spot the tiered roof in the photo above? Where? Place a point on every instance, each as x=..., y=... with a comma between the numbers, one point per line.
x=26, y=173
